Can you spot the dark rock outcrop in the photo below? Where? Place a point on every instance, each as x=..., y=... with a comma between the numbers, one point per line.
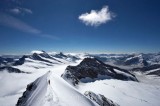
x=32, y=91
x=67, y=57
x=43, y=57
x=20, y=61
x=30, y=88
x=101, y=100
x=139, y=61
x=11, y=69
x=5, y=61
x=36, y=56
x=95, y=69
x=157, y=72
x=148, y=68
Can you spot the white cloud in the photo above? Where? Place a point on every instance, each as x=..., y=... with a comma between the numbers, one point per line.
x=96, y=18
x=27, y=10
x=15, y=23
x=20, y=10
x=15, y=11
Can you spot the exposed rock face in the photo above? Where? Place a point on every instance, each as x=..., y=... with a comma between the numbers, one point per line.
x=36, y=56
x=20, y=61
x=99, y=99
x=30, y=88
x=157, y=72
x=67, y=57
x=95, y=69
x=60, y=55
x=5, y=61
x=11, y=69
x=148, y=68
x=136, y=60
x=43, y=56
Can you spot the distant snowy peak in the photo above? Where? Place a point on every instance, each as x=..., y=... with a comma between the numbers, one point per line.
x=149, y=70
x=100, y=99
x=37, y=51
x=53, y=58
x=20, y=61
x=5, y=61
x=43, y=56
x=137, y=60
x=130, y=60
x=40, y=56
x=91, y=69
x=68, y=57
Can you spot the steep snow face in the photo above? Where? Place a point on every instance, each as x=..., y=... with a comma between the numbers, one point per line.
x=50, y=90
x=34, y=92
x=91, y=69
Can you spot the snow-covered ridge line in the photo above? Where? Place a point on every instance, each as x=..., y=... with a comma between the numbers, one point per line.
x=51, y=90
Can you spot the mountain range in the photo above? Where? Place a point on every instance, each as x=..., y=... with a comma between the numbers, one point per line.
x=81, y=79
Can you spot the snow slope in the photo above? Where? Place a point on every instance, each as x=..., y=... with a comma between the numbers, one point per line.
x=146, y=92
x=50, y=90
x=125, y=93
x=14, y=84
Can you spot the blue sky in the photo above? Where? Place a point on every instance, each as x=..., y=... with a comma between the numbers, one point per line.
x=96, y=26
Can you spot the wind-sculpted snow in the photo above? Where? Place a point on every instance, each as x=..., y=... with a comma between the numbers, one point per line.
x=52, y=90
x=34, y=94
x=91, y=69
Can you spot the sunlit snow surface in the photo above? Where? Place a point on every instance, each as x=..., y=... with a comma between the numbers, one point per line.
x=60, y=93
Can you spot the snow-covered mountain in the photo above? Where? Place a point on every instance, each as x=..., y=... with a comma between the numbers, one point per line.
x=149, y=70
x=11, y=69
x=47, y=79
x=51, y=90
x=92, y=69
x=5, y=61
x=131, y=60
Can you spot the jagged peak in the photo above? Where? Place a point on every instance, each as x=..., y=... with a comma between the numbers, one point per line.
x=90, y=61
